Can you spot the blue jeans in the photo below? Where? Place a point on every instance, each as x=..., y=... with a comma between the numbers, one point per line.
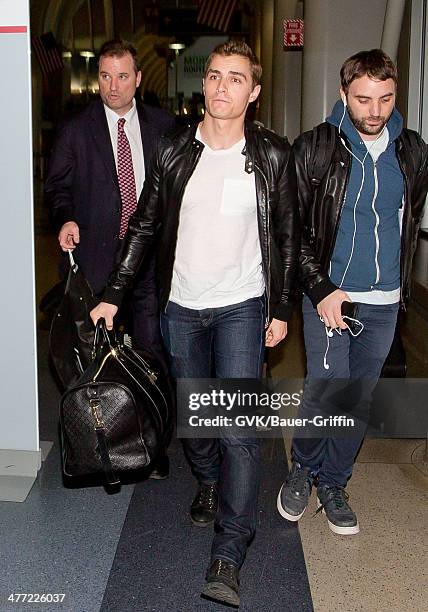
x=356, y=358
x=227, y=342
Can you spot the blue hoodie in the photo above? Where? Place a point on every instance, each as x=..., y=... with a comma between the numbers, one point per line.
x=375, y=261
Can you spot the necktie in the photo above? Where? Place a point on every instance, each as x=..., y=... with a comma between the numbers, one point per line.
x=125, y=175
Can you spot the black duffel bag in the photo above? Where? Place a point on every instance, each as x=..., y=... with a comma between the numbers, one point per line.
x=117, y=417
x=71, y=336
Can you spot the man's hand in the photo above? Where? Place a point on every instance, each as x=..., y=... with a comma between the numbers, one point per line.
x=104, y=311
x=329, y=309
x=68, y=236
x=276, y=332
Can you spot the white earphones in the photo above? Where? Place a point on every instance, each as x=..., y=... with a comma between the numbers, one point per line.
x=329, y=334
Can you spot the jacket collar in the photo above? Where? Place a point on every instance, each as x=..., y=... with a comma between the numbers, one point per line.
x=250, y=129
x=101, y=136
x=250, y=150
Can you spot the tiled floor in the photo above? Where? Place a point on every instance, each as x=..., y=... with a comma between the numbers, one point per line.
x=384, y=567
x=59, y=541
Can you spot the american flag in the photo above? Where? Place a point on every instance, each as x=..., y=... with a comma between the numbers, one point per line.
x=47, y=53
x=216, y=14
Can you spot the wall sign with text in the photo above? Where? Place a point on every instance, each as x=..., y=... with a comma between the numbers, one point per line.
x=293, y=33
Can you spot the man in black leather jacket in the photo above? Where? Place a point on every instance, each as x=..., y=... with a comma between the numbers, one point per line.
x=360, y=220
x=220, y=204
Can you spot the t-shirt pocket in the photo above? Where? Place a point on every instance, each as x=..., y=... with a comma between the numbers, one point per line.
x=238, y=197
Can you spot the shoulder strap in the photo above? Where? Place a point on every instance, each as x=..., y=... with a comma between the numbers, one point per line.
x=322, y=148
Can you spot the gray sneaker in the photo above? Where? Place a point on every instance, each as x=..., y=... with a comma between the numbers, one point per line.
x=293, y=496
x=333, y=502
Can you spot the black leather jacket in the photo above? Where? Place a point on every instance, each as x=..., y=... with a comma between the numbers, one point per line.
x=321, y=206
x=156, y=219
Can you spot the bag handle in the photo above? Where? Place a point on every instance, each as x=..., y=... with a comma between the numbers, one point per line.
x=103, y=335
x=73, y=264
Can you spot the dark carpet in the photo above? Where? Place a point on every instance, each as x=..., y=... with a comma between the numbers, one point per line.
x=161, y=557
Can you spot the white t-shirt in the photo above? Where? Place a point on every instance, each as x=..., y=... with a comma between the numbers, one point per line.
x=218, y=259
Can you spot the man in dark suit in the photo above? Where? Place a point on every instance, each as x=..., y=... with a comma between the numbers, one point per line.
x=95, y=177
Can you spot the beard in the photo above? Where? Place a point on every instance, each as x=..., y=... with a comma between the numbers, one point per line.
x=363, y=126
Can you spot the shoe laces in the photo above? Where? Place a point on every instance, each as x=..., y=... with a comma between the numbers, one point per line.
x=336, y=495
x=299, y=478
x=207, y=495
x=224, y=569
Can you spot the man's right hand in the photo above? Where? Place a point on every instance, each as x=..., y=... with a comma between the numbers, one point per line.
x=329, y=309
x=68, y=236
x=104, y=311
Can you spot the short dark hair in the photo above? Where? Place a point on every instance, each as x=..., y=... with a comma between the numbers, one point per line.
x=375, y=64
x=237, y=47
x=118, y=48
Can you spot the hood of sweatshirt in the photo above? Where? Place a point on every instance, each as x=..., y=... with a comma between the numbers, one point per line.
x=394, y=125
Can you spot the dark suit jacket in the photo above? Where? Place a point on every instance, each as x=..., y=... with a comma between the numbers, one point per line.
x=82, y=185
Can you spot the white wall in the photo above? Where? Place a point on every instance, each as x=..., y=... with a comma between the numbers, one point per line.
x=334, y=30
x=18, y=380
x=286, y=74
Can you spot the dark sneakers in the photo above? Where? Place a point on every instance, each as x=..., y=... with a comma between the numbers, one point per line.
x=204, y=506
x=222, y=583
x=333, y=502
x=293, y=497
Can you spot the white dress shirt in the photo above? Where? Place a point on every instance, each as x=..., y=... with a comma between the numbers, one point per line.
x=133, y=133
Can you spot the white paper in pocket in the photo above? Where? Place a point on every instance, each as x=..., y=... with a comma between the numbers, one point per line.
x=238, y=197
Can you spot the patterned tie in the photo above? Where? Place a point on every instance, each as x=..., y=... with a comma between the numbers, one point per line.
x=125, y=175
